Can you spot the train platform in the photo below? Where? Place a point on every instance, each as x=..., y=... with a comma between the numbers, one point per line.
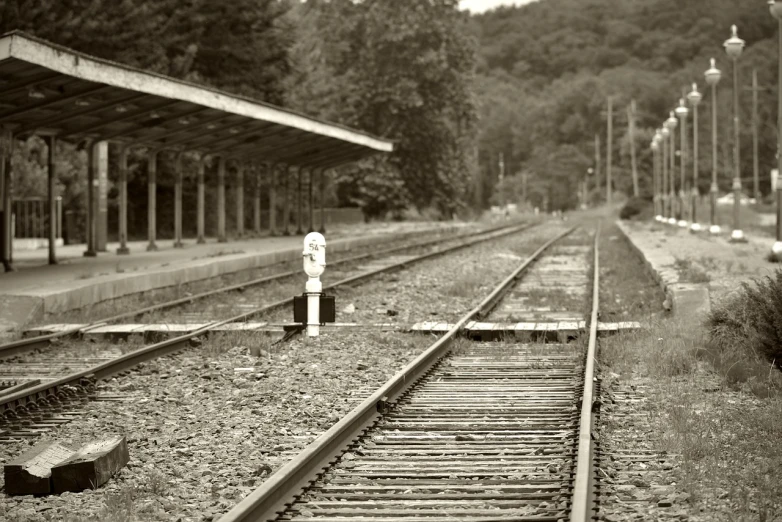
x=77, y=281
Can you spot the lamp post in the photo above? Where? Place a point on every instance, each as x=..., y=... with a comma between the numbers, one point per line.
x=776, y=250
x=665, y=133
x=682, y=111
x=713, y=76
x=671, y=123
x=694, y=97
x=733, y=47
x=655, y=146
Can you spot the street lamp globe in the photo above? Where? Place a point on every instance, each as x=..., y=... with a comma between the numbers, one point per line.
x=664, y=132
x=775, y=6
x=671, y=122
x=682, y=111
x=712, y=74
x=694, y=97
x=734, y=45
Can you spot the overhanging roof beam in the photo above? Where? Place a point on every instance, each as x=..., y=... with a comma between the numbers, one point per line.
x=185, y=129
x=159, y=120
x=21, y=85
x=70, y=115
x=276, y=138
x=53, y=101
x=131, y=115
x=187, y=141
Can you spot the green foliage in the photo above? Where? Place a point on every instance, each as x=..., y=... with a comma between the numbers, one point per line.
x=401, y=69
x=746, y=333
x=635, y=207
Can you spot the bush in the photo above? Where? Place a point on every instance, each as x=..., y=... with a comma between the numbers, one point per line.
x=636, y=207
x=745, y=333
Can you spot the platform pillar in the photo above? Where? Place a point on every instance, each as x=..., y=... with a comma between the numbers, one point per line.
x=201, y=201
x=322, y=201
x=240, y=200
x=257, y=199
x=51, y=143
x=310, y=227
x=273, y=200
x=6, y=189
x=152, y=200
x=299, y=209
x=123, y=202
x=221, y=200
x=178, y=201
x=286, y=216
x=92, y=169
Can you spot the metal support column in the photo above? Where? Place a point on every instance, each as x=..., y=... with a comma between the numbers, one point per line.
x=286, y=216
x=200, y=220
x=273, y=200
x=299, y=209
x=178, y=201
x=51, y=143
x=221, y=200
x=322, y=201
x=240, y=199
x=6, y=189
x=152, y=199
x=92, y=169
x=310, y=227
x=257, y=199
x=123, y=202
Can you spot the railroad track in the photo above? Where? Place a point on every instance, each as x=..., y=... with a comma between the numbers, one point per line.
x=48, y=382
x=474, y=432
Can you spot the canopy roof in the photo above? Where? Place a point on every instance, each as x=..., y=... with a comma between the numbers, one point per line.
x=48, y=89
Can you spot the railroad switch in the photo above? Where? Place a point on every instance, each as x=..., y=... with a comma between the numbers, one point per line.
x=313, y=308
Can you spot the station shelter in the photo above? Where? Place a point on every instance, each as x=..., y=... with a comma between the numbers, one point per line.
x=60, y=94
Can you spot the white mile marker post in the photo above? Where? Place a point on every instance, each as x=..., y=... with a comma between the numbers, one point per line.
x=314, y=264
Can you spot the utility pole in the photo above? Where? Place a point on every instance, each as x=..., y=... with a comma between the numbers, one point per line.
x=597, y=165
x=609, y=147
x=631, y=123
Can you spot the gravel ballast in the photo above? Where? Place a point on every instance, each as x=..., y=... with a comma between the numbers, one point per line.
x=208, y=425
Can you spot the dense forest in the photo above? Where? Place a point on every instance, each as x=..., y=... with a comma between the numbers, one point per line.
x=455, y=91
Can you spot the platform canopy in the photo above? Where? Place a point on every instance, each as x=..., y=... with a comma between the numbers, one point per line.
x=47, y=89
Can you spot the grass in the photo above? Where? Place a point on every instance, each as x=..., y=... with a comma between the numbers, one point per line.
x=726, y=438
x=690, y=271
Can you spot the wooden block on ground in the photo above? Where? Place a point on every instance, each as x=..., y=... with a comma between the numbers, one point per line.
x=91, y=466
x=30, y=473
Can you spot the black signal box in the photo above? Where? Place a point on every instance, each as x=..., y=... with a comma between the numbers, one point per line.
x=328, y=309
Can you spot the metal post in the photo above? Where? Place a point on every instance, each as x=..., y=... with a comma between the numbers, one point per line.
x=273, y=200
x=666, y=202
x=714, y=227
x=737, y=235
x=240, y=199
x=609, y=146
x=200, y=218
x=221, y=200
x=123, y=202
x=695, y=98
x=178, y=201
x=152, y=199
x=286, y=216
x=755, y=166
x=257, y=200
x=655, y=188
x=51, y=142
x=631, y=124
x=92, y=168
x=6, y=234
x=683, y=169
x=672, y=173
x=300, y=210
x=322, y=201
x=776, y=249
x=597, y=165
x=310, y=227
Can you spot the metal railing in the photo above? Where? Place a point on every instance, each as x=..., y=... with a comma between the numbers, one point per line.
x=30, y=218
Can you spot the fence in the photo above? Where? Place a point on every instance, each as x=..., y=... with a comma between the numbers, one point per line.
x=30, y=218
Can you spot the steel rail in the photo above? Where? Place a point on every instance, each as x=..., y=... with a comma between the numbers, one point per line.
x=284, y=485
x=65, y=384
x=582, y=503
x=41, y=341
